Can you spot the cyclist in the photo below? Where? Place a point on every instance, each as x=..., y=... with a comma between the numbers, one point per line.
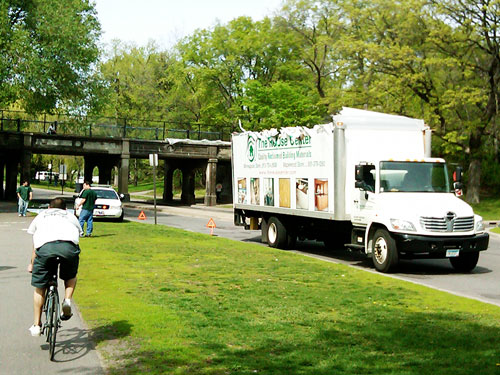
x=56, y=233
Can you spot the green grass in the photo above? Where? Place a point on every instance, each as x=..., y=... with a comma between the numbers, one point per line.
x=496, y=230
x=67, y=188
x=164, y=301
x=148, y=187
x=488, y=208
x=144, y=186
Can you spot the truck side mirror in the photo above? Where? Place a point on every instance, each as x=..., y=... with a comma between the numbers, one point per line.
x=457, y=182
x=457, y=176
x=358, y=173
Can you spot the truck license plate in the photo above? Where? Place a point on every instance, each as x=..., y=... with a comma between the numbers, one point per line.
x=452, y=253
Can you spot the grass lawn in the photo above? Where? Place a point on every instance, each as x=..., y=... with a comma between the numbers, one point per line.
x=147, y=190
x=160, y=300
x=67, y=188
x=488, y=208
x=496, y=230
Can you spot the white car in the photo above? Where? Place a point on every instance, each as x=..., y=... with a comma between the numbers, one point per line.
x=107, y=205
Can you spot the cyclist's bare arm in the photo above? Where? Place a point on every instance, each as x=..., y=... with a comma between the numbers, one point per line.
x=33, y=256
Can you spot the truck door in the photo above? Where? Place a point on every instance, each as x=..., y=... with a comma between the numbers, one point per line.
x=364, y=194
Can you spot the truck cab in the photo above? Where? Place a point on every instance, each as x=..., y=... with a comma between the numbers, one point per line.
x=407, y=209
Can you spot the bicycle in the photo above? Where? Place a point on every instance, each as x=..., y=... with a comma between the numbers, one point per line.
x=52, y=313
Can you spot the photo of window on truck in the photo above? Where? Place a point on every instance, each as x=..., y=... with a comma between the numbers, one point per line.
x=374, y=188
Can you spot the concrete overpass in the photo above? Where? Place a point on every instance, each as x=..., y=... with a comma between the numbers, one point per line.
x=16, y=150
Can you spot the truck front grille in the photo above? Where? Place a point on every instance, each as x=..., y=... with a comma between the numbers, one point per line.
x=447, y=224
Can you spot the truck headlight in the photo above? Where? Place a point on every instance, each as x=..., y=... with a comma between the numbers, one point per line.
x=398, y=224
x=479, y=224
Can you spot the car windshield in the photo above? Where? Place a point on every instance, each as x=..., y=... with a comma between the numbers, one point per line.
x=106, y=194
x=414, y=177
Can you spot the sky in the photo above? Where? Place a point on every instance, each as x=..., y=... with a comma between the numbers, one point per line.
x=166, y=21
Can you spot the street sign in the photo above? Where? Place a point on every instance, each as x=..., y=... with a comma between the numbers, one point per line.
x=153, y=160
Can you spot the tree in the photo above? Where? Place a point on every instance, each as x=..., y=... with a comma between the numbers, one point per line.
x=47, y=53
x=472, y=42
x=233, y=67
x=135, y=77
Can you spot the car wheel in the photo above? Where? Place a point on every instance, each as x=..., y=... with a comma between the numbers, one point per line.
x=465, y=262
x=276, y=233
x=384, y=252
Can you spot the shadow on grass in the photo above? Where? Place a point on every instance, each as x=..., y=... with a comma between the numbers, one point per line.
x=412, y=343
x=113, y=331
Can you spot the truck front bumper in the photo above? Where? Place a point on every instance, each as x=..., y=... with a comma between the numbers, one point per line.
x=414, y=246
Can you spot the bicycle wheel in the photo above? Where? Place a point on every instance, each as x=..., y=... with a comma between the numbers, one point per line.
x=48, y=317
x=54, y=324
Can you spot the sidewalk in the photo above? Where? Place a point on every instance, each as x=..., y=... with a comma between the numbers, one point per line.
x=20, y=353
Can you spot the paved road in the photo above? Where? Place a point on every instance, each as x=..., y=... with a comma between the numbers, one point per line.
x=21, y=354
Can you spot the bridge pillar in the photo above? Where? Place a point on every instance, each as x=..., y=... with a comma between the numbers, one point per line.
x=11, y=172
x=124, y=170
x=210, y=193
x=2, y=170
x=26, y=166
x=168, y=181
x=26, y=158
x=187, y=195
x=89, y=164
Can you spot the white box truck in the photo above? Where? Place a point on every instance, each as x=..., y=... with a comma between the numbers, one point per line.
x=366, y=181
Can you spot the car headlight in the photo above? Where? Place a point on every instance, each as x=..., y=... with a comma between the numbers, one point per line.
x=479, y=224
x=398, y=224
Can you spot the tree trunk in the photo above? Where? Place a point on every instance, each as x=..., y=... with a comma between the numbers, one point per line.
x=474, y=182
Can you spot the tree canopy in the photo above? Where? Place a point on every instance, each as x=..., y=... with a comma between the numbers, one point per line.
x=433, y=59
x=47, y=51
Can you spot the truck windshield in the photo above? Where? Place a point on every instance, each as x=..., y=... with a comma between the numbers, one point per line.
x=398, y=176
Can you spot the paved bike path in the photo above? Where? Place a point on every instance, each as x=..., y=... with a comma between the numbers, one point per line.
x=20, y=353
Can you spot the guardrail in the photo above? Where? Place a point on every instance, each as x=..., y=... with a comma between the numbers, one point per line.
x=20, y=121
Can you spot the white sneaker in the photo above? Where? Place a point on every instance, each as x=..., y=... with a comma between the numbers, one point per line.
x=66, y=310
x=35, y=330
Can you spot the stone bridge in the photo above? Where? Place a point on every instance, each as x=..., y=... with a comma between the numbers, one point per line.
x=214, y=157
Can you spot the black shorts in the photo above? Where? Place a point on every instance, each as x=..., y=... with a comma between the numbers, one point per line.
x=46, y=262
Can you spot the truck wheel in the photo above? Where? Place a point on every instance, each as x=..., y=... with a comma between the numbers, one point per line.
x=276, y=233
x=384, y=252
x=465, y=262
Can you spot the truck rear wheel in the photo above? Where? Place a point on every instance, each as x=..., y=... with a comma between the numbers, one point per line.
x=276, y=233
x=384, y=252
x=465, y=262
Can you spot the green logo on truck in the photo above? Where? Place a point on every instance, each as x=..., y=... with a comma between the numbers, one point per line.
x=251, y=148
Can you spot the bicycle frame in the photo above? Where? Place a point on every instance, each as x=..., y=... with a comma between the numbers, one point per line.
x=52, y=315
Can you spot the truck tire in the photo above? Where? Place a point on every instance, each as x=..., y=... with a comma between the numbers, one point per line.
x=465, y=262
x=384, y=251
x=276, y=233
